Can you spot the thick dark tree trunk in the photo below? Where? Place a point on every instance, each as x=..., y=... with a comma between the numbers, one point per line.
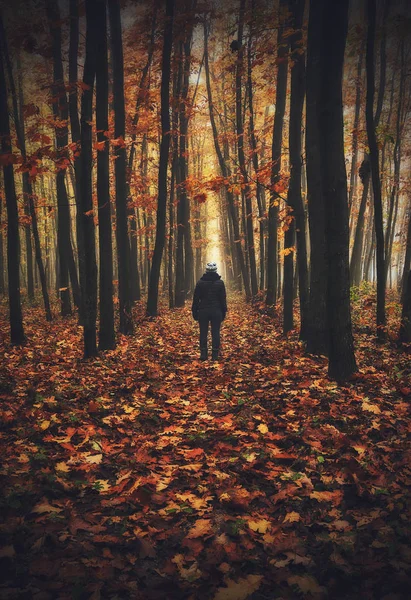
x=185, y=258
x=375, y=171
x=13, y=242
x=170, y=248
x=60, y=111
x=87, y=228
x=405, y=328
x=288, y=287
x=294, y=197
x=183, y=157
x=225, y=173
x=123, y=248
x=152, y=299
x=355, y=263
x=280, y=99
x=2, y=282
x=331, y=136
x=76, y=134
x=241, y=154
x=29, y=246
x=317, y=339
x=107, y=338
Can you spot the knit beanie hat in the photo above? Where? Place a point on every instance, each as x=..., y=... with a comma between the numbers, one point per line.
x=211, y=267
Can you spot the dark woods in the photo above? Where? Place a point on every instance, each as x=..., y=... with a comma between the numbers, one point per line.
x=138, y=138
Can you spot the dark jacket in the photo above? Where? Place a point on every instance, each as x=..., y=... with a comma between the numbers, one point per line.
x=209, y=296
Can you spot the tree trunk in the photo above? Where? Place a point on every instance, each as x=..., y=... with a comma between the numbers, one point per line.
x=152, y=299
x=280, y=99
x=75, y=136
x=60, y=112
x=354, y=159
x=405, y=327
x=375, y=171
x=87, y=231
x=241, y=155
x=294, y=196
x=107, y=338
x=259, y=187
x=171, y=242
x=71, y=263
x=330, y=120
x=185, y=259
x=317, y=339
x=288, y=270
x=123, y=249
x=2, y=282
x=355, y=263
x=13, y=242
x=29, y=246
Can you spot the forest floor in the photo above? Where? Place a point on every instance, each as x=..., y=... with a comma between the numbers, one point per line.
x=147, y=474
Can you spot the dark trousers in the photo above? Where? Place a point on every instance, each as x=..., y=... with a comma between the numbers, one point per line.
x=215, y=319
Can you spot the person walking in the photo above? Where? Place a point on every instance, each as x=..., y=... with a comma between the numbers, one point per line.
x=209, y=306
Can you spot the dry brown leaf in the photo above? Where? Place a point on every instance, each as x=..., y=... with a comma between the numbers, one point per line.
x=239, y=590
x=201, y=527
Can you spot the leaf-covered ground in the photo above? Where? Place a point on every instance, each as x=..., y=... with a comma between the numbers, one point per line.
x=147, y=474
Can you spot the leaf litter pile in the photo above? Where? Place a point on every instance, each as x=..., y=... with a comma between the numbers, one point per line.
x=148, y=474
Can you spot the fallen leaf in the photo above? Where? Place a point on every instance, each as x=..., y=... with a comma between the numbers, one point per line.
x=371, y=407
x=94, y=459
x=260, y=526
x=201, y=527
x=239, y=590
x=62, y=466
x=291, y=517
x=45, y=507
x=334, y=497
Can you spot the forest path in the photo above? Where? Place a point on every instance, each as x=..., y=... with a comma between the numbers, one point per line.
x=148, y=474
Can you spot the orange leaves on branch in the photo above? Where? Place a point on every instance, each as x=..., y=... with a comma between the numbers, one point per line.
x=216, y=184
x=99, y=146
x=118, y=142
x=287, y=251
x=281, y=185
x=200, y=198
x=62, y=163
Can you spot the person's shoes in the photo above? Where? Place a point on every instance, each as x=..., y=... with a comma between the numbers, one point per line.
x=214, y=353
x=203, y=354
